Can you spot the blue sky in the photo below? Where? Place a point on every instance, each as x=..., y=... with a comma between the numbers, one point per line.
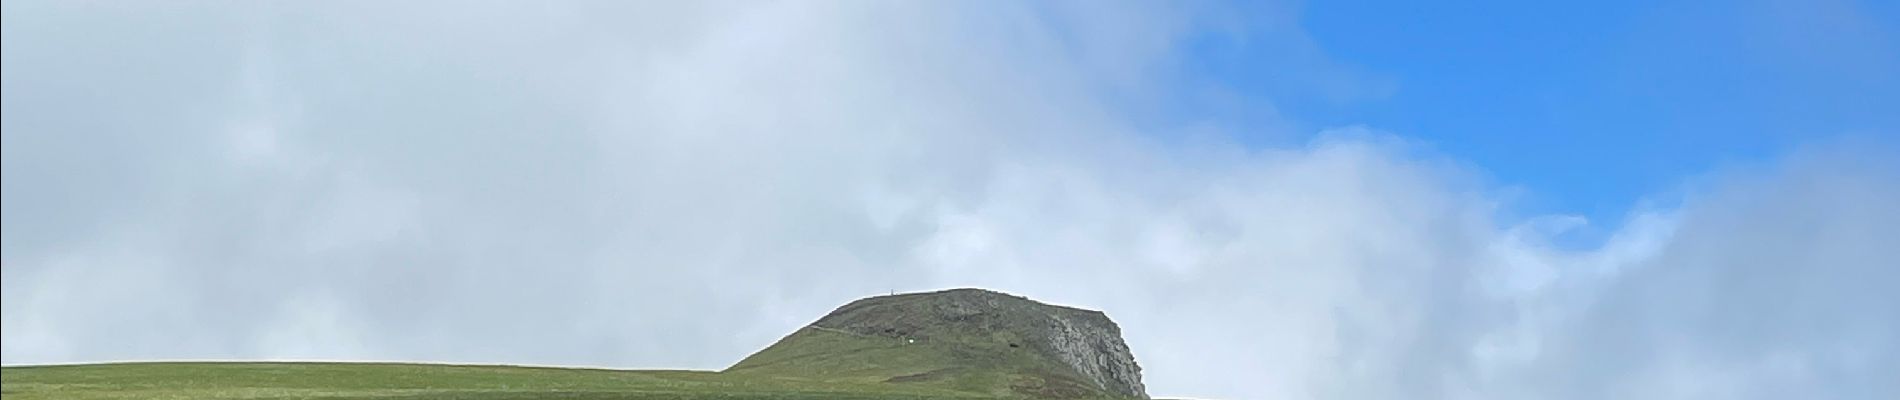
x=1590, y=107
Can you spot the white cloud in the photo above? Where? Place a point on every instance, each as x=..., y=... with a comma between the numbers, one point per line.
x=611, y=184
x=1768, y=287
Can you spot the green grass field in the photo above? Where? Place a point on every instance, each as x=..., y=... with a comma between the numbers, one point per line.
x=810, y=364
x=980, y=356
x=976, y=364
x=195, y=380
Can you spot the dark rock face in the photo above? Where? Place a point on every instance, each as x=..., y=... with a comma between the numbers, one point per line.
x=1085, y=342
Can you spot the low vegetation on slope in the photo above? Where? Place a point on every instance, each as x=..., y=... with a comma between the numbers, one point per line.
x=956, y=344
x=419, y=382
x=847, y=358
x=967, y=340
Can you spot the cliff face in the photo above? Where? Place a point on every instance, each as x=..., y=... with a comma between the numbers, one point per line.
x=1094, y=348
x=1081, y=345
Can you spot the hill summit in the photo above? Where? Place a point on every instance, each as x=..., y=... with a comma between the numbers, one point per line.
x=968, y=340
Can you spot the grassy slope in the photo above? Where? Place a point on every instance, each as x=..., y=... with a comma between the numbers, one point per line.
x=971, y=364
x=421, y=381
x=809, y=364
x=963, y=360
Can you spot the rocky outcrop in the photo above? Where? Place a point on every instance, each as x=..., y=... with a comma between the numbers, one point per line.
x=1085, y=344
x=1094, y=348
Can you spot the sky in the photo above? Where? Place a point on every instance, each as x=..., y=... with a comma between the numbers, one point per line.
x=1332, y=200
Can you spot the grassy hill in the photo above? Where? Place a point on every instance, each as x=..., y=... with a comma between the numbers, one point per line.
x=837, y=356
x=197, y=380
x=966, y=340
x=958, y=344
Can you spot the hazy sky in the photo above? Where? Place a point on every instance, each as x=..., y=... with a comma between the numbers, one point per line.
x=1349, y=200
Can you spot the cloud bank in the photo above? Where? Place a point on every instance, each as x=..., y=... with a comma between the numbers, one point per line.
x=678, y=185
